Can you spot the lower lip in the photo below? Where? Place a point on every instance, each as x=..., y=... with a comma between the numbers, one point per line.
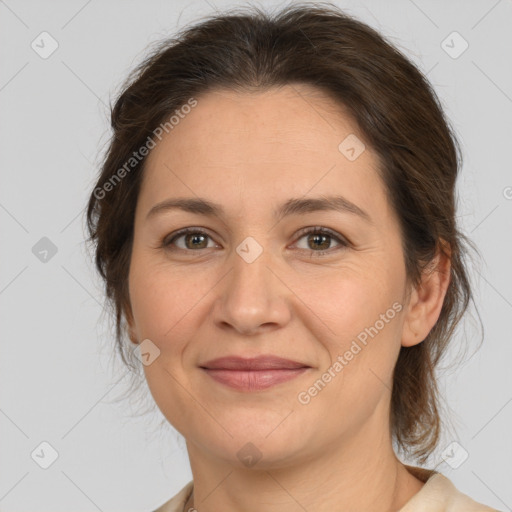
x=254, y=380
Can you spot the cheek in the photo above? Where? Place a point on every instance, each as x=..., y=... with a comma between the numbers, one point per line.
x=362, y=357
x=363, y=312
x=159, y=296
x=351, y=301
x=162, y=301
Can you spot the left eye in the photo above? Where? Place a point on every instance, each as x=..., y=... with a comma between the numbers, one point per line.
x=319, y=238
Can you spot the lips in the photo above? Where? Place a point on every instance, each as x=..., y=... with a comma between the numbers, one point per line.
x=267, y=362
x=253, y=374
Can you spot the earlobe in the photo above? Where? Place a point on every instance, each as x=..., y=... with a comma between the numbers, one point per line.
x=130, y=325
x=427, y=300
x=132, y=336
x=410, y=328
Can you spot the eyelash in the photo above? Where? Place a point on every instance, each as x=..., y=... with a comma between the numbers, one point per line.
x=317, y=230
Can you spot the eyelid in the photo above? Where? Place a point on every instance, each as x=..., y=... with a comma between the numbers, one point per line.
x=169, y=239
x=322, y=230
x=343, y=242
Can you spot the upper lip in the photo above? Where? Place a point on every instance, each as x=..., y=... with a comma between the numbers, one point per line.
x=266, y=362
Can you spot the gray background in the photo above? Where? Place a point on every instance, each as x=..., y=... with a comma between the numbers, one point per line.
x=59, y=382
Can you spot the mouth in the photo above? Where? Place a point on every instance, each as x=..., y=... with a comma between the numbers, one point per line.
x=253, y=374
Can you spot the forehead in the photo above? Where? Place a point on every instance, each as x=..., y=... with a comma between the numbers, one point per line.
x=297, y=114
x=279, y=143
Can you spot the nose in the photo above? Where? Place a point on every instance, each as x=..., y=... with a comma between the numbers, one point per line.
x=253, y=297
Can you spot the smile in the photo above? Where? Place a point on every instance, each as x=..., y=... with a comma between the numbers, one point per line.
x=253, y=380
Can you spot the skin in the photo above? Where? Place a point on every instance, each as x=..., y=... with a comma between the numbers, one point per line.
x=251, y=152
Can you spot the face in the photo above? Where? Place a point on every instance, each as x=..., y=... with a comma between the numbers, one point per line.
x=321, y=287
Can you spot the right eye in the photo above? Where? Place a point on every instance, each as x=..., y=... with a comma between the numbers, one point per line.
x=194, y=239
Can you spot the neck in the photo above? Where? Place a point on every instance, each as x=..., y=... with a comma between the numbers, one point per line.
x=352, y=477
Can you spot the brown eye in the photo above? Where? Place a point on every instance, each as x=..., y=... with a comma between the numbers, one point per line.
x=192, y=239
x=319, y=241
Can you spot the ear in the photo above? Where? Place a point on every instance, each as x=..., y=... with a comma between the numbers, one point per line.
x=132, y=334
x=427, y=299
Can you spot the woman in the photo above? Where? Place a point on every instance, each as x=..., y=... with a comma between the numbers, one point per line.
x=275, y=224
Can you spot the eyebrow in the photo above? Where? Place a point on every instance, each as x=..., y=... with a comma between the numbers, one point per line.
x=294, y=206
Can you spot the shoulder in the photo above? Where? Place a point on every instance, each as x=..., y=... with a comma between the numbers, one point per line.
x=177, y=502
x=439, y=494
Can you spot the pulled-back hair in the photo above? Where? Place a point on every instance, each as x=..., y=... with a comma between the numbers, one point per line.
x=396, y=111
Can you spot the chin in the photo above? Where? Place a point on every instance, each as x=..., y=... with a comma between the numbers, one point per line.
x=254, y=450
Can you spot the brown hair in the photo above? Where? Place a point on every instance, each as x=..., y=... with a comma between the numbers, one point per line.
x=397, y=112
